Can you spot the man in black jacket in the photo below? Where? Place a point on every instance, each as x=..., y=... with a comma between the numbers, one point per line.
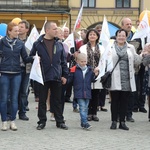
x=54, y=71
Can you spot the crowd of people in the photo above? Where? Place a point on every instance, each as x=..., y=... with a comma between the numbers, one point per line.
x=73, y=71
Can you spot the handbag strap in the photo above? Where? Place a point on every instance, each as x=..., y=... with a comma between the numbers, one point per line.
x=115, y=65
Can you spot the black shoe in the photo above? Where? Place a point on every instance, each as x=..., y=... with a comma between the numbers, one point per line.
x=40, y=126
x=27, y=108
x=135, y=110
x=123, y=126
x=68, y=101
x=24, y=117
x=130, y=119
x=89, y=118
x=143, y=110
x=113, y=125
x=62, y=126
x=103, y=109
x=95, y=118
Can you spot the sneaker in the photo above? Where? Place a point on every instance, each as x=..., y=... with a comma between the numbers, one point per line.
x=76, y=110
x=27, y=108
x=52, y=118
x=95, y=118
x=4, y=126
x=89, y=118
x=62, y=126
x=13, y=126
x=23, y=117
x=40, y=126
x=130, y=119
x=87, y=126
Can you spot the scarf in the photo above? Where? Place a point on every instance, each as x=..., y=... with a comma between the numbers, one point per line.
x=11, y=42
x=82, y=68
x=93, y=56
x=121, y=50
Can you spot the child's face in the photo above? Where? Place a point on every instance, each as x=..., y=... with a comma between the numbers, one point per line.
x=82, y=62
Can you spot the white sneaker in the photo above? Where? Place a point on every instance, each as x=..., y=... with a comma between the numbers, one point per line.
x=4, y=126
x=52, y=119
x=13, y=126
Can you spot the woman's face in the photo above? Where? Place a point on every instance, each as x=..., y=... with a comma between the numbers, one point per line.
x=92, y=36
x=121, y=38
x=14, y=32
x=60, y=34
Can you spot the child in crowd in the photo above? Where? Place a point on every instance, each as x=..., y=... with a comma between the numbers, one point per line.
x=82, y=75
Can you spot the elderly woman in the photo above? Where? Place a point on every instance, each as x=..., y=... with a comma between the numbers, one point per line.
x=93, y=51
x=123, y=80
x=10, y=73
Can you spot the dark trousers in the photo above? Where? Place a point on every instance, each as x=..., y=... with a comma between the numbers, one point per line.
x=141, y=86
x=68, y=91
x=132, y=97
x=55, y=102
x=23, y=93
x=94, y=102
x=102, y=97
x=36, y=87
x=119, y=102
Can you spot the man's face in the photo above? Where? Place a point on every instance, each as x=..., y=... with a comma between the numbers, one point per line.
x=83, y=34
x=22, y=29
x=127, y=24
x=66, y=32
x=52, y=31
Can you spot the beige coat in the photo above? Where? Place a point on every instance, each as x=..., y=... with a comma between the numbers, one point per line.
x=134, y=59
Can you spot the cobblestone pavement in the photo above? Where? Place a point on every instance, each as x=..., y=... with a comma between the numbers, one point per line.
x=99, y=138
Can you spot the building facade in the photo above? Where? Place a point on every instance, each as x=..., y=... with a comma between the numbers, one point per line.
x=35, y=11
x=61, y=11
x=114, y=10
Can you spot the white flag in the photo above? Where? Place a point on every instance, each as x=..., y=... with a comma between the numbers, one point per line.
x=43, y=30
x=34, y=35
x=70, y=41
x=78, y=21
x=105, y=39
x=36, y=73
x=105, y=34
x=64, y=25
x=143, y=29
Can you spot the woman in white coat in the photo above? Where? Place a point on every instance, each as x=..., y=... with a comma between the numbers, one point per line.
x=93, y=51
x=123, y=81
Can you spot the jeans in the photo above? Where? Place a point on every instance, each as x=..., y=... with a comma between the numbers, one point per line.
x=23, y=93
x=10, y=83
x=83, y=108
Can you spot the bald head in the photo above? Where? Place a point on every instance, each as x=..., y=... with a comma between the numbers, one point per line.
x=66, y=32
x=126, y=24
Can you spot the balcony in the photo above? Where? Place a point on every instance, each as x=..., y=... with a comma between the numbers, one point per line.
x=34, y=5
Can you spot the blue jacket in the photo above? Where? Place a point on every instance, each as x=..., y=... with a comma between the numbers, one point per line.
x=81, y=86
x=10, y=56
x=52, y=70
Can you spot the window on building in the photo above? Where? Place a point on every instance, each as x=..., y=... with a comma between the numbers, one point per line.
x=89, y=3
x=123, y=3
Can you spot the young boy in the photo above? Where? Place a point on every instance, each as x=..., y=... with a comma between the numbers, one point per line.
x=82, y=75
